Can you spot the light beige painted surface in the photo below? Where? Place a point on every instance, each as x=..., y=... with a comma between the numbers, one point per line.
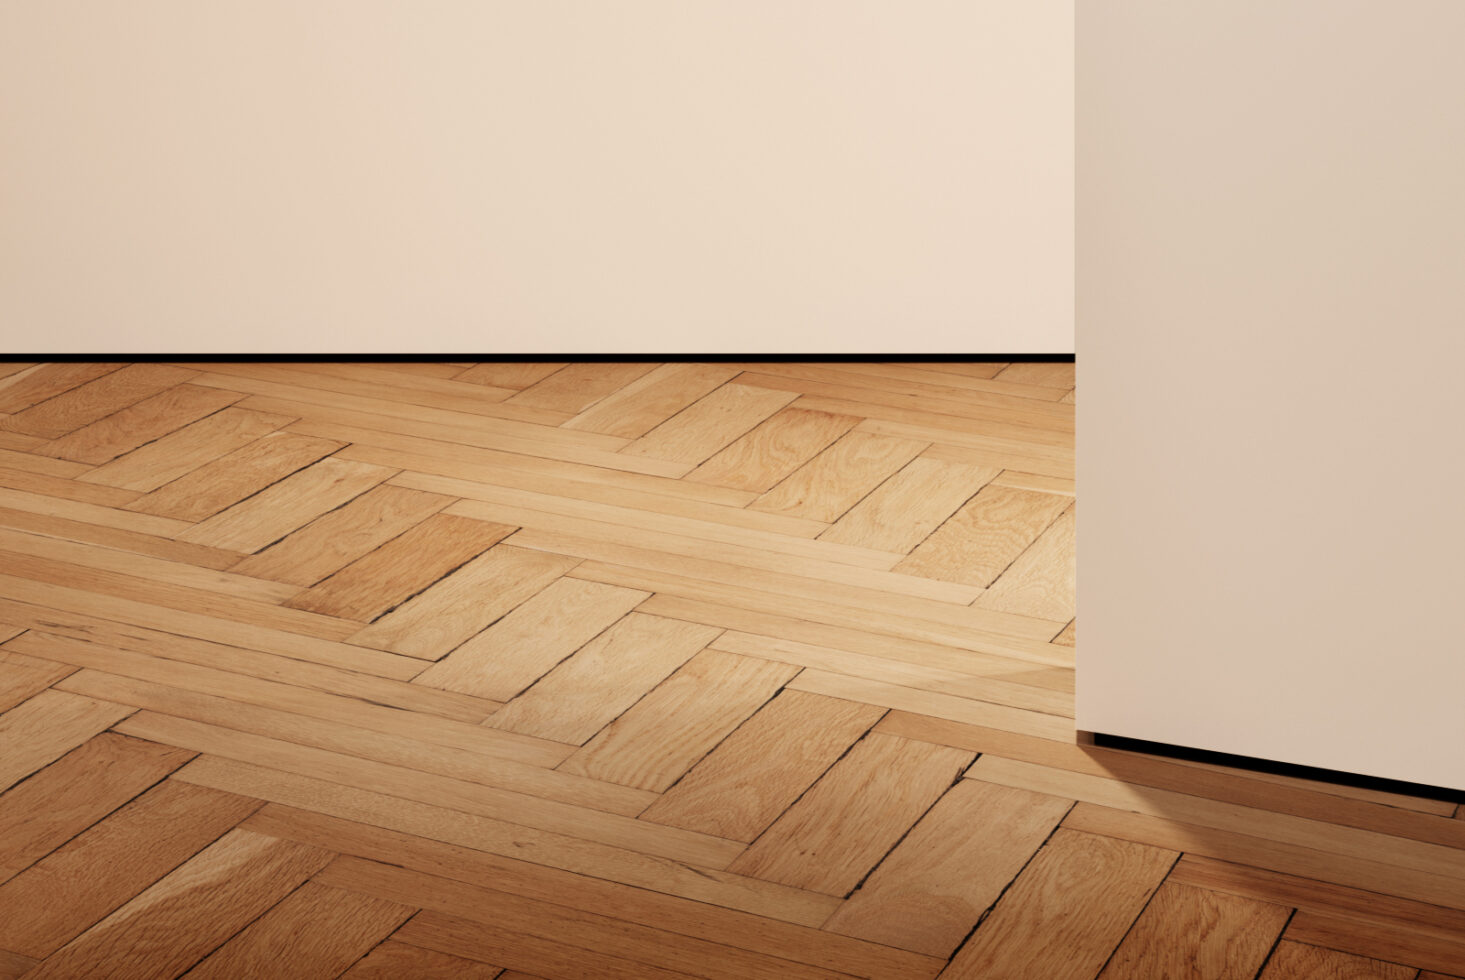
x=536, y=175
x=1271, y=295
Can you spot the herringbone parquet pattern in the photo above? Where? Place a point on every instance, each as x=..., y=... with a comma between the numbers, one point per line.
x=614, y=670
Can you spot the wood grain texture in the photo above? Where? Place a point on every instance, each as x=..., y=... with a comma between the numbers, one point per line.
x=523, y=646
x=394, y=960
x=705, y=427
x=1428, y=948
x=831, y=838
x=517, y=375
x=150, y=419
x=604, y=678
x=1291, y=959
x=187, y=914
x=979, y=541
x=234, y=476
x=176, y=454
x=742, y=786
x=756, y=462
x=904, y=510
x=319, y=931
x=838, y=478
x=664, y=734
x=651, y=399
x=1065, y=913
x=1041, y=582
x=401, y=568
x=935, y=885
x=86, y=403
x=20, y=390
x=43, y=728
x=1187, y=932
x=575, y=387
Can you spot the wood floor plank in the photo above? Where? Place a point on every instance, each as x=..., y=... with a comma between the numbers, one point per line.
x=76, y=791
x=600, y=933
x=1065, y=913
x=277, y=510
x=485, y=834
x=21, y=390
x=682, y=719
x=1048, y=374
x=341, y=536
x=395, y=749
x=23, y=677
x=152, y=418
x=215, y=486
x=1430, y=950
x=961, y=440
x=459, y=606
x=1291, y=959
x=189, y=912
x=179, y=453
x=86, y=403
x=43, y=505
x=1189, y=933
x=698, y=432
x=55, y=900
x=575, y=387
x=783, y=442
x=836, y=381
x=393, y=960
x=742, y=786
x=377, y=582
x=118, y=539
x=651, y=399
x=830, y=839
x=517, y=375
x=954, y=864
x=41, y=729
x=523, y=646
x=14, y=461
x=64, y=487
x=318, y=930
x=799, y=943
x=838, y=478
x=585, y=693
x=985, y=536
x=904, y=510
x=13, y=965
x=1041, y=582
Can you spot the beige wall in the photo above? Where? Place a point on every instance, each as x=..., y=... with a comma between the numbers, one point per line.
x=1271, y=322
x=536, y=175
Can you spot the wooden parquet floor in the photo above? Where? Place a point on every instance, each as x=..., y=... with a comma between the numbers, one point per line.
x=614, y=670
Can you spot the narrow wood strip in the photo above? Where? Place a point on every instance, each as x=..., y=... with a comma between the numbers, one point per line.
x=43, y=728
x=1065, y=913
x=689, y=917
x=512, y=840
x=21, y=390
x=693, y=435
x=575, y=387
x=1024, y=434
x=319, y=931
x=147, y=420
x=831, y=838
x=1022, y=481
x=130, y=542
x=762, y=458
x=1010, y=454
x=651, y=399
x=14, y=460
x=1444, y=953
x=191, y=911
x=44, y=506
x=742, y=786
x=179, y=453
x=65, y=488
x=88, y=402
x=904, y=510
x=836, y=380
x=1048, y=374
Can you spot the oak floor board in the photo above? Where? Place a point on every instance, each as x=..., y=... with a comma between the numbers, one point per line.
x=576, y=387
x=22, y=389
x=485, y=834
x=1041, y=582
x=1192, y=934
x=1048, y=374
x=508, y=808
x=58, y=898
x=1291, y=959
x=741, y=786
x=840, y=829
x=13, y=965
x=598, y=933
x=985, y=536
x=150, y=466
x=64, y=487
x=1065, y=913
x=827, y=378
x=238, y=474
x=42, y=728
x=516, y=375
x=1022, y=433
x=934, y=887
x=839, y=477
x=1417, y=948
x=1013, y=478
x=339, y=537
x=359, y=711
x=529, y=642
x=17, y=461
x=392, y=960
x=763, y=457
x=24, y=677
x=904, y=510
x=401, y=568
x=800, y=943
x=393, y=749
x=1009, y=453
x=679, y=721
x=708, y=425
x=651, y=399
x=318, y=930
x=152, y=418
x=74, y=792
x=86, y=403
x=192, y=910
x=463, y=603
x=122, y=519
x=284, y=507
x=587, y=691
